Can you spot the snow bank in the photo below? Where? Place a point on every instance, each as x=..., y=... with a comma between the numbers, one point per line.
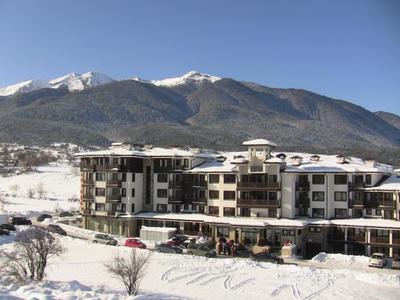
x=339, y=258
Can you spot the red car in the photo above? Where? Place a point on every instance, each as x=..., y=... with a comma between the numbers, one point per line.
x=134, y=243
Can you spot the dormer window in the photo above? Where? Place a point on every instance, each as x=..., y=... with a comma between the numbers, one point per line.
x=315, y=157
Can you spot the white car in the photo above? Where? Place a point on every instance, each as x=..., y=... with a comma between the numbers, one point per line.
x=377, y=260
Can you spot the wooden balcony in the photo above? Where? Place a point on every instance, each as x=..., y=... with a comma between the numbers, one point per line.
x=354, y=186
x=356, y=203
x=241, y=185
x=110, y=213
x=379, y=240
x=86, y=181
x=114, y=183
x=113, y=198
x=86, y=211
x=387, y=203
x=177, y=185
x=356, y=238
x=336, y=236
x=87, y=197
x=261, y=203
x=87, y=168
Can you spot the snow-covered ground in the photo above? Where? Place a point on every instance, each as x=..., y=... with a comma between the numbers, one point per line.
x=59, y=181
x=80, y=273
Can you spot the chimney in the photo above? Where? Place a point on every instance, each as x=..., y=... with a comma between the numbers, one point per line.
x=340, y=159
x=315, y=157
x=370, y=162
x=296, y=160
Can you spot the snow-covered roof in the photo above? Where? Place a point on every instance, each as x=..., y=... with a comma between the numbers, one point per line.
x=259, y=142
x=331, y=164
x=390, y=184
x=145, y=152
x=265, y=222
x=214, y=166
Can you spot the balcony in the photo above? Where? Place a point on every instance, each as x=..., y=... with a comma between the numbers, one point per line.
x=379, y=239
x=371, y=204
x=303, y=186
x=387, y=203
x=87, y=197
x=87, y=181
x=258, y=185
x=356, y=203
x=113, y=198
x=257, y=203
x=86, y=211
x=356, y=185
x=87, y=168
x=396, y=241
x=108, y=168
x=114, y=183
x=175, y=184
x=202, y=200
x=336, y=236
x=356, y=238
x=111, y=213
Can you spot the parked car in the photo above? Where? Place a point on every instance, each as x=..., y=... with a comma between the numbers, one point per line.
x=166, y=248
x=4, y=232
x=65, y=214
x=377, y=260
x=104, y=239
x=42, y=217
x=177, y=240
x=396, y=263
x=267, y=257
x=242, y=251
x=9, y=227
x=56, y=229
x=134, y=243
x=200, y=250
x=19, y=221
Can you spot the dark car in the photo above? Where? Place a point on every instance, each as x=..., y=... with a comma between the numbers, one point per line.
x=177, y=240
x=267, y=257
x=4, y=232
x=242, y=251
x=20, y=221
x=200, y=250
x=42, y=217
x=65, y=214
x=56, y=229
x=168, y=248
x=9, y=227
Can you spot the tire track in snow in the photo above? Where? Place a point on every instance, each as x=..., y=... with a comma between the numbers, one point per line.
x=279, y=289
x=320, y=291
x=182, y=277
x=295, y=291
x=198, y=278
x=243, y=283
x=227, y=282
x=212, y=279
x=166, y=274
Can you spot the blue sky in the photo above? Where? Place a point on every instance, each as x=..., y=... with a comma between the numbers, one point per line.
x=343, y=49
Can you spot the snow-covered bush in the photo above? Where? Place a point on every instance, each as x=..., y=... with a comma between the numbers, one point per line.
x=129, y=270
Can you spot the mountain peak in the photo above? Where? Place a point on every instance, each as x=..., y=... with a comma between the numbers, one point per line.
x=190, y=77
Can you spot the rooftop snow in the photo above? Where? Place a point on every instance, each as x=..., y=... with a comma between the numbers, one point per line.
x=390, y=184
x=259, y=142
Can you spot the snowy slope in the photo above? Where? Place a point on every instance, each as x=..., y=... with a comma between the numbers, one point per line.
x=191, y=77
x=24, y=87
x=74, y=82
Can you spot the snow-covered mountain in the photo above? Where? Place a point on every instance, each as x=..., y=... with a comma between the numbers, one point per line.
x=74, y=82
x=191, y=77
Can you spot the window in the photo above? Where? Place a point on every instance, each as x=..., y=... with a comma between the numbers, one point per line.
x=213, y=178
x=318, y=179
x=272, y=212
x=100, y=207
x=229, y=178
x=100, y=192
x=341, y=213
x=133, y=207
x=178, y=162
x=162, y=193
x=213, y=194
x=285, y=232
x=123, y=207
x=368, y=211
x=229, y=195
x=273, y=178
x=340, y=179
x=162, y=208
x=222, y=232
x=133, y=193
x=340, y=196
x=229, y=211
x=123, y=192
x=272, y=195
x=318, y=196
x=162, y=178
x=315, y=229
x=378, y=212
x=318, y=213
x=124, y=177
x=100, y=176
x=291, y=233
x=133, y=177
x=186, y=163
x=368, y=180
x=213, y=210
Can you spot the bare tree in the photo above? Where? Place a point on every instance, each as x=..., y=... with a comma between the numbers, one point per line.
x=30, y=256
x=41, y=192
x=2, y=202
x=129, y=270
x=31, y=193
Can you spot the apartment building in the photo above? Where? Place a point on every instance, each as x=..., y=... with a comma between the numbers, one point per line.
x=318, y=202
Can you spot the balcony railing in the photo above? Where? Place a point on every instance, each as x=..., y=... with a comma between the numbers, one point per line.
x=303, y=186
x=87, y=211
x=336, y=236
x=114, y=182
x=87, y=168
x=258, y=185
x=379, y=239
x=175, y=184
x=387, y=203
x=87, y=197
x=257, y=202
x=356, y=185
x=111, y=213
x=303, y=202
x=87, y=181
x=356, y=238
x=113, y=198
x=396, y=241
x=358, y=202
x=371, y=204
